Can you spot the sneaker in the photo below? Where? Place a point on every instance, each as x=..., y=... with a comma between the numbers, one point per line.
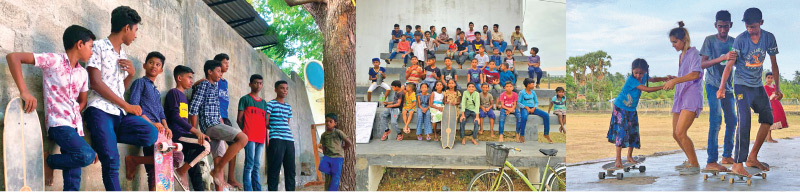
x=385, y=136
x=689, y=171
x=683, y=165
x=399, y=137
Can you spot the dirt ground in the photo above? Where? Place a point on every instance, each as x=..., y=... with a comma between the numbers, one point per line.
x=655, y=129
x=405, y=179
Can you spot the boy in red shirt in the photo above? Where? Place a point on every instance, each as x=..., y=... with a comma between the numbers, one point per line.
x=253, y=117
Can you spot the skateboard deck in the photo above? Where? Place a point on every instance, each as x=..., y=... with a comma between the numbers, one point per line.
x=22, y=149
x=163, y=162
x=449, y=126
x=626, y=166
x=734, y=177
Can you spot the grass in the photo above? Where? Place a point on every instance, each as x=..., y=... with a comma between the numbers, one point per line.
x=655, y=131
x=412, y=179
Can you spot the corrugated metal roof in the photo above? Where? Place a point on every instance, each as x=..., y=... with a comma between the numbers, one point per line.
x=243, y=18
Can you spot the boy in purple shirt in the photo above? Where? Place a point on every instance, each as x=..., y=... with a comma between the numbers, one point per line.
x=195, y=143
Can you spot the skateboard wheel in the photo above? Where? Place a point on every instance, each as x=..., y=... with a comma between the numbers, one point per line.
x=642, y=169
x=763, y=175
x=730, y=181
x=627, y=169
x=705, y=177
x=178, y=146
x=601, y=175
x=619, y=176
x=749, y=182
x=722, y=177
x=162, y=146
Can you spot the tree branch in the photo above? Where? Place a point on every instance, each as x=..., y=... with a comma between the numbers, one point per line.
x=300, y=2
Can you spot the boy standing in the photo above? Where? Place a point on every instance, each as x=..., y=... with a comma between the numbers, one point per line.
x=205, y=105
x=374, y=72
x=469, y=109
x=396, y=35
x=65, y=80
x=497, y=39
x=144, y=93
x=332, y=143
x=281, y=141
x=418, y=48
x=751, y=47
x=217, y=147
x=393, y=103
x=195, y=144
x=108, y=116
x=714, y=57
x=252, y=116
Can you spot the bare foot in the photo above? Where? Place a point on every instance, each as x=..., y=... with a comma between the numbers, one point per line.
x=726, y=160
x=548, y=139
x=219, y=179
x=522, y=139
x=630, y=160
x=738, y=168
x=463, y=141
x=480, y=132
x=235, y=183
x=48, y=172
x=771, y=141
x=618, y=163
x=184, y=176
x=130, y=168
x=752, y=162
x=492, y=135
x=474, y=142
x=501, y=138
x=517, y=138
x=717, y=167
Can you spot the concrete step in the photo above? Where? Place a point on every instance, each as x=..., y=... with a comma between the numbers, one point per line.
x=398, y=72
x=441, y=56
x=532, y=126
x=544, y=95
x=442, y=48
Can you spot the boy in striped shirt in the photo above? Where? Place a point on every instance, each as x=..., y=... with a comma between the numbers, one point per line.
x=281, y=143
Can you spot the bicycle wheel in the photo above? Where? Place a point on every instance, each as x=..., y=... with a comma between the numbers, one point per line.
x=556, y=181
x=484, y=180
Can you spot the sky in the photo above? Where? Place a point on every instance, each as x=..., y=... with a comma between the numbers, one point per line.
x=545, y=28
x=639, y=29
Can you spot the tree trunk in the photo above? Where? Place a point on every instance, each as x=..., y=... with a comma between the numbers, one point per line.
x=336, y=20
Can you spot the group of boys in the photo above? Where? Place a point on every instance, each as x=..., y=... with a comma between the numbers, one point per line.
x=746, y=52
x=201, y=124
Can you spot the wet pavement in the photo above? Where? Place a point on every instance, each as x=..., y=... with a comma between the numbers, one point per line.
x=661, y=175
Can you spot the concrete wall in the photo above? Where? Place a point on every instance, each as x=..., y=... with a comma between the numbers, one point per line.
x=187, y=32
x=377, y=18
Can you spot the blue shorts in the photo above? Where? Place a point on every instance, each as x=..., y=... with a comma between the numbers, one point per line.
x=483, y=114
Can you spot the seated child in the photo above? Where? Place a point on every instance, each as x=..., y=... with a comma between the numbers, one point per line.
x=559, y=102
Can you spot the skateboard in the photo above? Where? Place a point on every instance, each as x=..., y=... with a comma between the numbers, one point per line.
x=741, y=178
x=163, y=162
x=449, y=126
x=23, y=156
x=626, y=166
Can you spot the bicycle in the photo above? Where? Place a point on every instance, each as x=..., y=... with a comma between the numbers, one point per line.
x=495, y=179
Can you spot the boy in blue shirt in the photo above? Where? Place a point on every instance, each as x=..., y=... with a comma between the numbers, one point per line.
x=396, y=35
x=529, y=104
x=281, y=140
x=751, y=47
x=507, y=75
x=144, y=93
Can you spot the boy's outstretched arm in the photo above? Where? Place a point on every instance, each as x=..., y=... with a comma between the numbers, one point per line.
x=778, y=93
x=725, y=75
x=15, y=61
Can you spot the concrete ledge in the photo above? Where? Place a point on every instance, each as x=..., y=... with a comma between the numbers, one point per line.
x=373, y=158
